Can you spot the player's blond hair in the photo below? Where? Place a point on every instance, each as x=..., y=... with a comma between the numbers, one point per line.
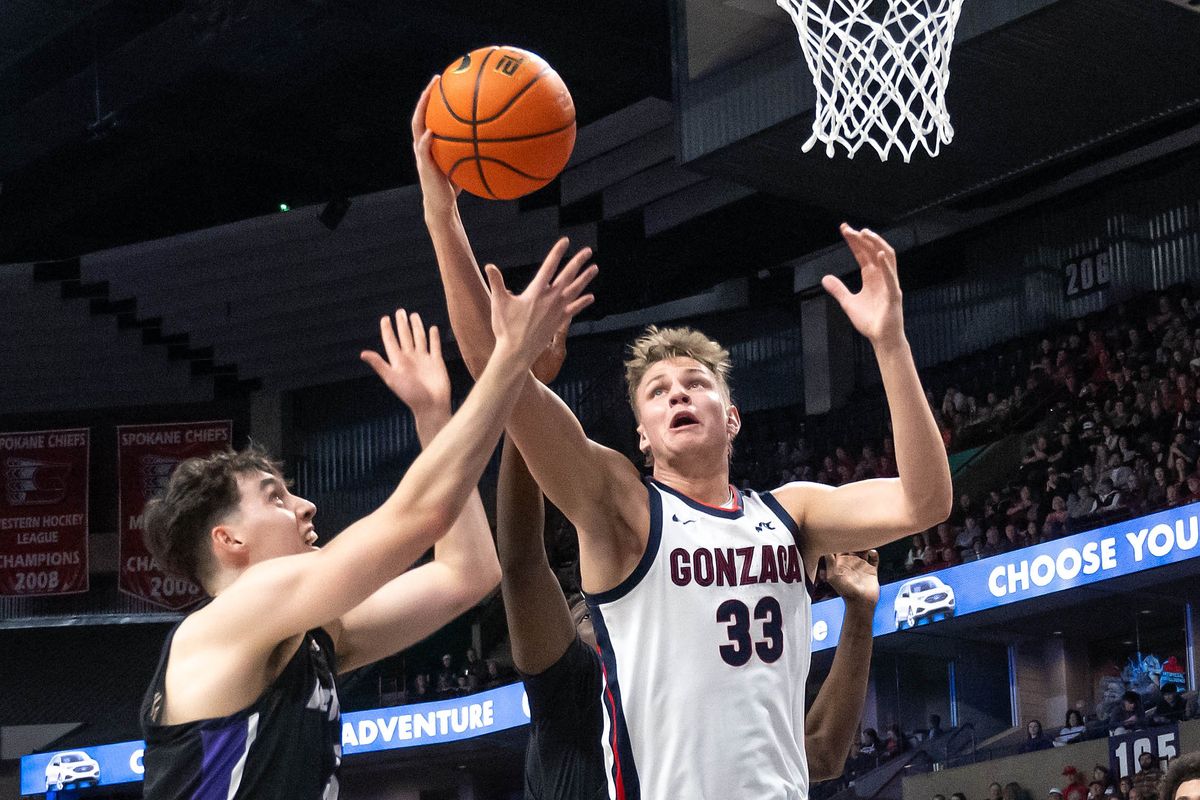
x=659, y=344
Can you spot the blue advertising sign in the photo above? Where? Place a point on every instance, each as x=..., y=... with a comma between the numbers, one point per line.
x=362, y=732
x=1122, y=548
x=433, y=723
x=87, y=766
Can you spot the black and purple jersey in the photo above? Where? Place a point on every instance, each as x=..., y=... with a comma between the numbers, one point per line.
x=286, y=745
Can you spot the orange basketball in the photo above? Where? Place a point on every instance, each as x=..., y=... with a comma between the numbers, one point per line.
x=503, y=123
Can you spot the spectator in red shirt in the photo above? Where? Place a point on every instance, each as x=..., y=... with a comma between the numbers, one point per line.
x=1076, y=788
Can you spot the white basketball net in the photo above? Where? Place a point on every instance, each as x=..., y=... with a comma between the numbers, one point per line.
x=880, y=82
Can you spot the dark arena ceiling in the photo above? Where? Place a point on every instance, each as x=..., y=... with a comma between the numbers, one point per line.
x=126, y=120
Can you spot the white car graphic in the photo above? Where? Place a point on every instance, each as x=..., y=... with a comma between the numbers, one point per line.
x=923, y=598
x=70, y=767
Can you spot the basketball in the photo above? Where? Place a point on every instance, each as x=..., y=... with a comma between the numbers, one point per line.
x=503, y=123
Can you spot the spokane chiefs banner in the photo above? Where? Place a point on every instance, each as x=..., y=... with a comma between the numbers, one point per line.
x=44, y=512
x=146, y=457
x=1122, y=548
x=362, y=732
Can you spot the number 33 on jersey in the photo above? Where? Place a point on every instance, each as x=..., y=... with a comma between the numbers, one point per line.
x=705, y=650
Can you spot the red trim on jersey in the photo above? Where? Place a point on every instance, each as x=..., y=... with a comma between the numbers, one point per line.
x=733, y=492
x=612, y=720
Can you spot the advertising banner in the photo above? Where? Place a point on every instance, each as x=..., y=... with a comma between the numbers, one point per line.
x=362, y=732
x=146, y=457
x=44, y=513
x=1122, y=548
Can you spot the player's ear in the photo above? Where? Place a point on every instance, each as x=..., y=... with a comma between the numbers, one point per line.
x=225, y=540
x=733, y=421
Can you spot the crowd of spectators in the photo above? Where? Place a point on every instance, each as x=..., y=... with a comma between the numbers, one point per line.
x=450, y=678
x=1112, y=403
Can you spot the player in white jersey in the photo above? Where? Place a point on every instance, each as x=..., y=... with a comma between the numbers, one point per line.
x=702, y=617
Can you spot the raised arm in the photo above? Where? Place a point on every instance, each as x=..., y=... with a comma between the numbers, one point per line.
x=464, y=567
x=865, y=514
x=284, y=596
x=548, y=435
x=539, y=620
x=830, y=725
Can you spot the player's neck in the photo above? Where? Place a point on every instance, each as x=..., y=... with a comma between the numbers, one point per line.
x=711, y=489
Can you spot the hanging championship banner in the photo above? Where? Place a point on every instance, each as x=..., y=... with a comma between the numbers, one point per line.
x=146, y=457
x=44, y=513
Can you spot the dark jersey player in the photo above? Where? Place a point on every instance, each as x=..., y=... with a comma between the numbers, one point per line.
x=244, y=704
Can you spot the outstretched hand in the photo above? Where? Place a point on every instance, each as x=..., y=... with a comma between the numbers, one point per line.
x=526, y=323
x=854, y=576
x=413, y=369
x=439, y=191
x=875, y=311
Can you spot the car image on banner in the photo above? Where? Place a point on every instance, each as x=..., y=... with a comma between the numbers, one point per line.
x=72, y=768
x=920, y=599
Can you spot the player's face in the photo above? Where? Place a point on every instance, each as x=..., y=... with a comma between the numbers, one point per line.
x=271, y=521
x=682, y=410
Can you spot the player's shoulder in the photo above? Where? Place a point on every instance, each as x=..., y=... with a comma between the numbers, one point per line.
x=792, y=497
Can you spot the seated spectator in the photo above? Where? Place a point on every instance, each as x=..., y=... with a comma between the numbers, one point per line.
x=976, y=553
x=895, y=743
x=914, y=561
x=1145, y=782
x=1100, y=774
x=1076, y=788
x=1081, y=504
x=1156, y=492
x=494, y=677
x=1055, y=525
x=992, y=546
x=1108, y=497
x=935, y=729
x=1172, y=707
x=869, y=743
x=475, y=671
x=995, y=791
x=1127, y=715
x=967, y=536
x=1035, y=738
x=421, y=691
x=1095, y=790
x=1182, y=781
x=1054, y=793
x=1012, y=538
x=1071, y=731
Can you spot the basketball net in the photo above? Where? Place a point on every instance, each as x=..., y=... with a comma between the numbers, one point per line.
x=879, y=82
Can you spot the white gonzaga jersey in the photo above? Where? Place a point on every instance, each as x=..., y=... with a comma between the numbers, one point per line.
x=705, y=652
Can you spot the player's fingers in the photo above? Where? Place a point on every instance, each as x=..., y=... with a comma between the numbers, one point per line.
x=388, y=335
x=495, y=279
x=418, y=333
x=403, y=332
x=836, y=288
x=568, y=273
x=418, y=117
x=873, y=558
x=575, y=306
x=889, y=271
x=551, y=262
x=580, y=283
x=375, y=362
x=435, y=342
